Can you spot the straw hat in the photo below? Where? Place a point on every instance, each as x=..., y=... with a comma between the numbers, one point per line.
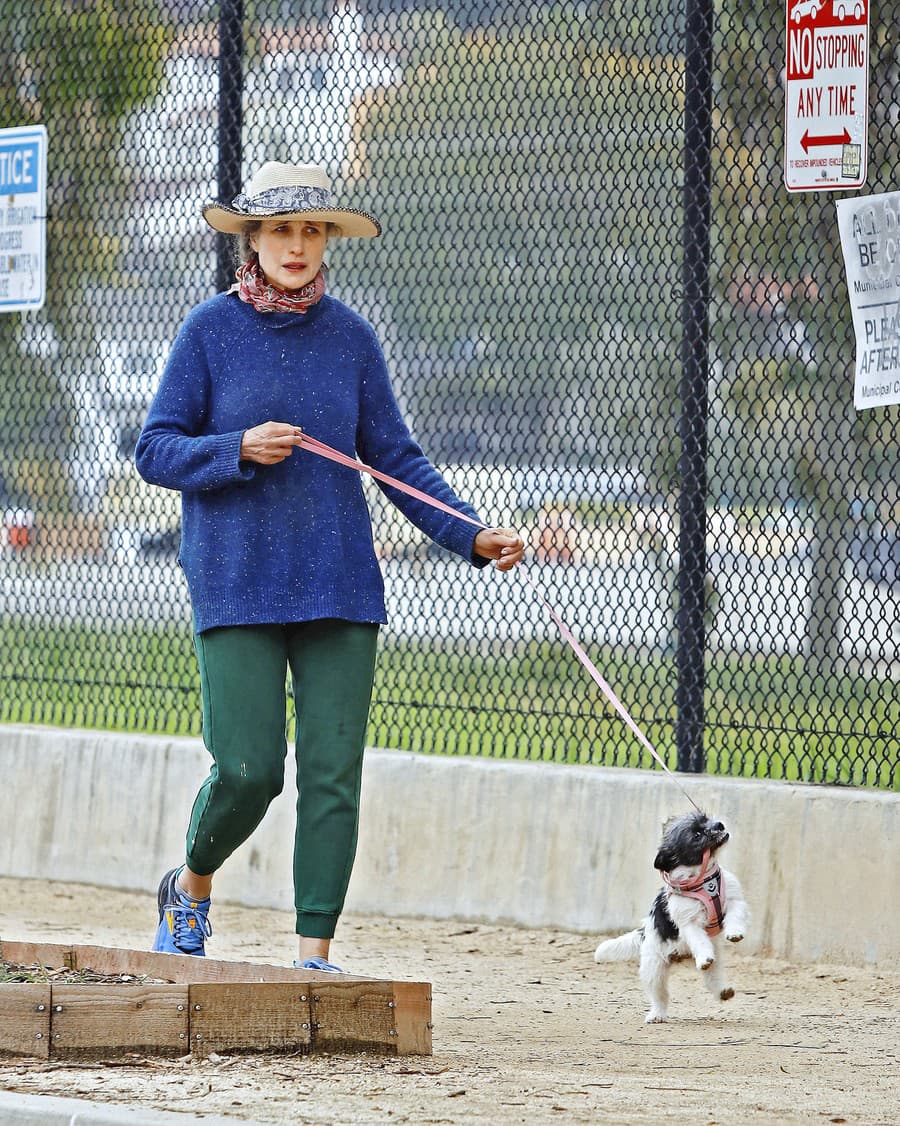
x=289, y=191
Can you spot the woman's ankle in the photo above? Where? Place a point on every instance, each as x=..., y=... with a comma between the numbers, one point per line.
x=194, y=886
x=313, y=948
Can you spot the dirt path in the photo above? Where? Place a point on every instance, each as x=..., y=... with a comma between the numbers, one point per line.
x=527, y=1030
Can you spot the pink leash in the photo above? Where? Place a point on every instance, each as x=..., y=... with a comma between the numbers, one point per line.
x=317, y=447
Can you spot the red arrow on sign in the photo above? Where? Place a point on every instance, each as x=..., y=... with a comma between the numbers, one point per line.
x=808, y=142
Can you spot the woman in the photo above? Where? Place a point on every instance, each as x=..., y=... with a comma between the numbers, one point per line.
x=277, y=542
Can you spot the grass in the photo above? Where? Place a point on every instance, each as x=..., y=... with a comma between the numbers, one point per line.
x=765, y=717
x=117, y=678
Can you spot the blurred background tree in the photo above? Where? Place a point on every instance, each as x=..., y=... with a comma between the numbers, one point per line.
x=785, y=429
x=507, y=305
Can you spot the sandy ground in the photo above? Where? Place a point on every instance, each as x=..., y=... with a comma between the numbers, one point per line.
x=528, y=1029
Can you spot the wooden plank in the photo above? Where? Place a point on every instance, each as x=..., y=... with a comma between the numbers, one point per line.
x=178, y=968
x=51, y=955
x=183, y=968
x=353, y=1015
x=170, y=967
x=87, y=1019
x=243, y=1016
x=24, y=1019
x=412, y=1018
x=246, y=1006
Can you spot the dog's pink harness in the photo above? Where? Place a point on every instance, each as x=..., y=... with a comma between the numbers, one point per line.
x=709, y=888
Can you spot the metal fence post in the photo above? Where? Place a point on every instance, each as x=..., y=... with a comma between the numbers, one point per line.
x=693, y=392
x=231, y=90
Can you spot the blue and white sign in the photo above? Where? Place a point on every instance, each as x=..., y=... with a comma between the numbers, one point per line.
x=23, y=218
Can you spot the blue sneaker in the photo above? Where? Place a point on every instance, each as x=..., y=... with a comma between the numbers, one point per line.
x=184, y=925
x=320, y=964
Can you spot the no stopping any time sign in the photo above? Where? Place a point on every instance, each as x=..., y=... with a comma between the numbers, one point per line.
x=826, y=94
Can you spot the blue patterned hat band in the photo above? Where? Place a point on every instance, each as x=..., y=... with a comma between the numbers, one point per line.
x=281, y=200
x=290, y=189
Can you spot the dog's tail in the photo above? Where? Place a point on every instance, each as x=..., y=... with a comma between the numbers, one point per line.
x=625, y=948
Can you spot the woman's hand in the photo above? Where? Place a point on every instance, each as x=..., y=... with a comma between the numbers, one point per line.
x=502, y=544
x=270, y=443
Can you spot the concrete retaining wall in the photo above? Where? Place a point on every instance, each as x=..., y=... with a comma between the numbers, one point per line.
x=534, y=844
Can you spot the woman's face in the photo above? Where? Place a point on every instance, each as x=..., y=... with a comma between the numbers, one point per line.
x=290, y=250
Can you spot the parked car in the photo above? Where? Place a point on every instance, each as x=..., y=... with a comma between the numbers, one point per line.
x=165, y=543
x=19, y=523
x=874, y=548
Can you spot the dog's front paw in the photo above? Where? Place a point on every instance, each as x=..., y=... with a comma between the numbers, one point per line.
x=704, y=962
x=726, y=994
x=655, y=1016
x=736, y=937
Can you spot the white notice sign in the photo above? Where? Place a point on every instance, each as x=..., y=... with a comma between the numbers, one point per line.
x=23, y=217
x=870, y=241
x=826, y=96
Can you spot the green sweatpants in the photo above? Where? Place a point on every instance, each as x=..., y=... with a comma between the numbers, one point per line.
x=243, y=673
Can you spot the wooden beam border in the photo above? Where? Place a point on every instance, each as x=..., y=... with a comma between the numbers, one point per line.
x=202, y=1005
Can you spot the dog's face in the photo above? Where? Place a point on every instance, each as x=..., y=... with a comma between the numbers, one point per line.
x=686, y=839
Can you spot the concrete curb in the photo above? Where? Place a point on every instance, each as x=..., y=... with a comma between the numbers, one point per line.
x=534, y=844
x=23, y=1110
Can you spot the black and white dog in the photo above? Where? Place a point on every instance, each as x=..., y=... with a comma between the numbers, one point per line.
x=699, y=904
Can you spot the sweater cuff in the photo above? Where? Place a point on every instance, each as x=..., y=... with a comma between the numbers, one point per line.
x=475, y=559
x=227, y=455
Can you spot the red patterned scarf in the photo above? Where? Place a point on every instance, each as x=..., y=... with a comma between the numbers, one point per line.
x=253, y=288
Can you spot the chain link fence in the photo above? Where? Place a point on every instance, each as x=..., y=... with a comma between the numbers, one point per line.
x=703, y=505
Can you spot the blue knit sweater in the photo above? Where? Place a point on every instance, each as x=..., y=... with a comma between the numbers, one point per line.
x=289, y=542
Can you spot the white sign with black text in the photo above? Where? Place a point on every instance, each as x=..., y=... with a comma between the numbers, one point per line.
x=23, y=217
x=870, y=241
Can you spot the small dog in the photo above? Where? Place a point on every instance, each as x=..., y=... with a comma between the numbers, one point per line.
x=699, y=903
